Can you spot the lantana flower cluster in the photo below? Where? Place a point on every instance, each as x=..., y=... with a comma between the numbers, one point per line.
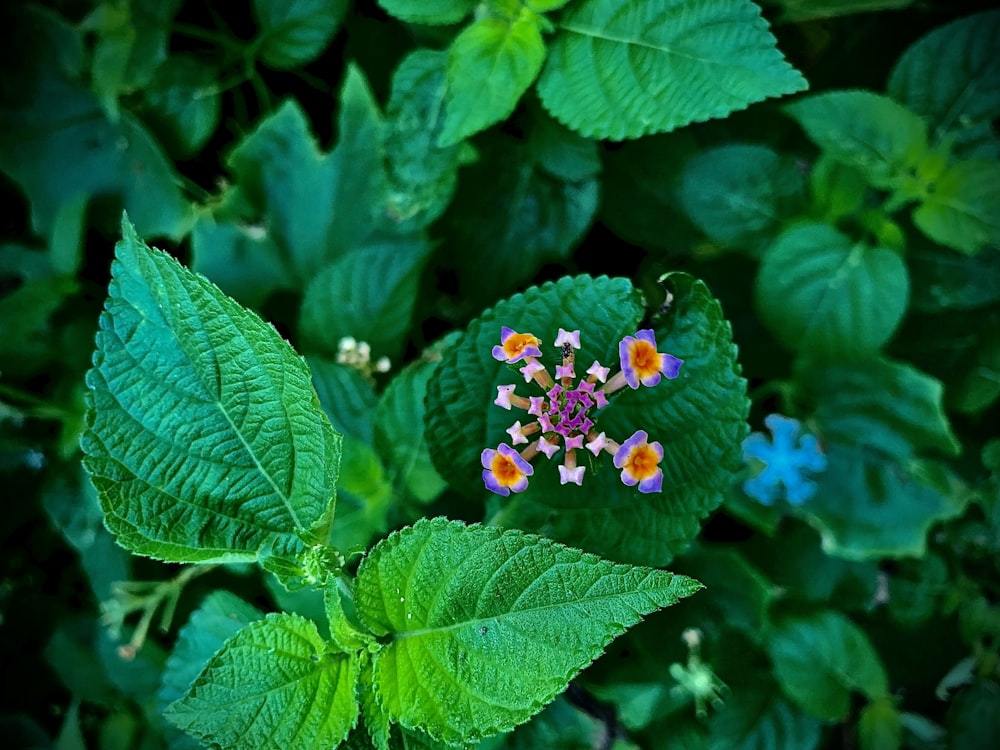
x=564, y=408
x=788, y=460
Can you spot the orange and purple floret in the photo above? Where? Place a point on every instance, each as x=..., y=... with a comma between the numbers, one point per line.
x=567, y=411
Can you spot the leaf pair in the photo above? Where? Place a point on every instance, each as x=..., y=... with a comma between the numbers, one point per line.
x=205, y=441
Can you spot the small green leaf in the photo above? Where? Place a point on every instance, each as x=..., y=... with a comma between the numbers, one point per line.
x=974, y=717
x=275, y=683
x=219, y=617
x=619, y=69
x=821, y=293
x=979, y=387
x=870, y=132
x=420, y=175
x=951, y=77
x=738, y=194
x=369, y=294
x=838, y=189
x=482, y=627
x=429, y=11
x=490, y=65
x=196, y=410
x=888, y=405
x=962, y=210
x=796, y=11
x=308, y=199
x=399, y=428
x=184, y=103
x=293, y=32
x=819, y=659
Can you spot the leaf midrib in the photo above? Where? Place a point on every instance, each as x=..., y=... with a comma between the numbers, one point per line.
x=646, y=593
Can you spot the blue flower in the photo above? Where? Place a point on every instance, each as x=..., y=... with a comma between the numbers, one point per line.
x=787, y=459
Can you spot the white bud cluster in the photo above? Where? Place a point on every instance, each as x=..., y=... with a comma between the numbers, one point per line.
x=358, y=354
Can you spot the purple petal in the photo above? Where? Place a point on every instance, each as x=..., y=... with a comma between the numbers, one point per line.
x=653, y=483
x=492, y=485
x=671, y=366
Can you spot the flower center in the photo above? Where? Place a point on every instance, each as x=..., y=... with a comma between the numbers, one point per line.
x=642, y=462
x=505, y=470
x=515, y=344
x=645, y=358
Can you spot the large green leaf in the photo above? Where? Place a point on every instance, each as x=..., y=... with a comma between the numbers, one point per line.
x=738, y=194
x=951, y=77
x=293, y=32
x=420, y=175
x=962, y=210
x=482, y=627
x=204, y=436
x=699, y=417
x=819, y=659
x=888, y=405
x=758, y=717
x=368, y=294
x=868, y=131
x=549, y=188
x=490, y=65
x=823, y=294
x=619, y=69
x=276, y=683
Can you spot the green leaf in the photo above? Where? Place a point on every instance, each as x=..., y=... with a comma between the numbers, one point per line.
x=838, y=189
x=869, y=505
x=974, y=717
x=821, y=293
x=490, y=65
x=293, y=32
x=27, y=335
x=979, y=387
x=560, y=726
x=874, y=134
x=640, y=191
x=197, y=409
x=275, y=683
x=309, y=200
x=962, y=210
x=243, y=259
x=420, y=175
x=482, y=627
x=741, y=594
x=58, y=146
x=183, y=103
x=884, y=404
x=347, y=397
x=738, y=194
x=368, y=294
x=131, y=44
x=619, y=69
x=699, y=417
x=951, y=77
x=546, y=214
x=820, y=659
x=759, y=718
x=943, y=279
x=399, y=428
x=429, y=11
x=364, y=497
x=219, y=617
